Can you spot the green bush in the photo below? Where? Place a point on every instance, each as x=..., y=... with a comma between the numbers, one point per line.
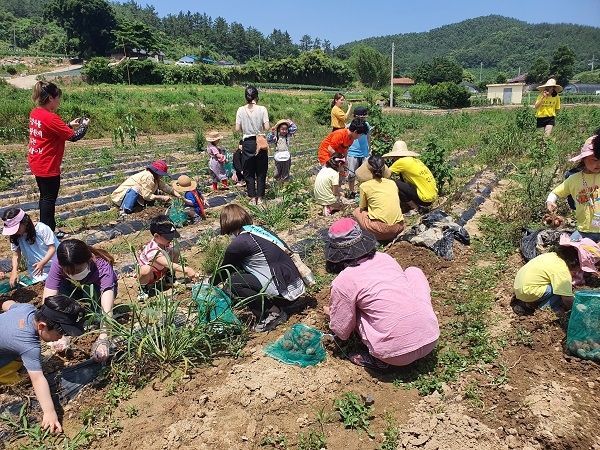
x=450, y=95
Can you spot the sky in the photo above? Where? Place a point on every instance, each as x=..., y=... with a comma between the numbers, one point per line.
x=346, y=21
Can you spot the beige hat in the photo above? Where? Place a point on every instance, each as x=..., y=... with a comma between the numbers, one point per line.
x=550, y=83
x=400, y=149
x=184, y=184
x=363, y=173
x=213, y=136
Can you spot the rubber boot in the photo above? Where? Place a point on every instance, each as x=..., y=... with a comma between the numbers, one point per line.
x=225, y=184
x=215, y=188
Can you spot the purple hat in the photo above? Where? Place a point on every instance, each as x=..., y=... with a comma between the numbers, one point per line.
x=347, y=241
x=11, y=226
x=586, y=150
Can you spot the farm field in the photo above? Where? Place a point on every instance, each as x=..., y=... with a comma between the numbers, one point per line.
x=497, y=380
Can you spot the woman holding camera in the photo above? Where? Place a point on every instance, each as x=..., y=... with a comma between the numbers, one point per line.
x=47, y=136
x=546, y=105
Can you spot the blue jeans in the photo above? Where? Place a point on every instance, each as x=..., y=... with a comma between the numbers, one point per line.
x=550, y=299
x=130, y=202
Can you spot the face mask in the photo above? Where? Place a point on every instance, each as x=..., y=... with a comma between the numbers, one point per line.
x=81, y=275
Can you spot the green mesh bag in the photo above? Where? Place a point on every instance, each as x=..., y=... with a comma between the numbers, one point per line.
x=228, y=165
x=24, y=280
x=214, y=308
x=177, y=213
x=299, y=345
x=583, y=334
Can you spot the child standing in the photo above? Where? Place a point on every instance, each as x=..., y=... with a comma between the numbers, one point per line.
x=359, y=151
x=193, y=198
x=547, y=105
x=158, y=257
x=22, y=327
x=583, y=187
x=327, y=184
x=36, y=242
x=281, y=136
x=217, y=161
x=238, y=175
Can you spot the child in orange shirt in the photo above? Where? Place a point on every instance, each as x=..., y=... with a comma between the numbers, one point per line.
x=340, y=140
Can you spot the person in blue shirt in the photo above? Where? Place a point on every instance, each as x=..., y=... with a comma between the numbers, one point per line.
x=359, y=151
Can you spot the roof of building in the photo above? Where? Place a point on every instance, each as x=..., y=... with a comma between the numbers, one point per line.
x=403, y=81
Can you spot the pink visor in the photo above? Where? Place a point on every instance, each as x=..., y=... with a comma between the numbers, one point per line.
x=11, y=226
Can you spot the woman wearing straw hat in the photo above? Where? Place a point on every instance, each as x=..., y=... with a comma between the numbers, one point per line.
x=546, y=105
x=141, y=189
x=388, y=307
x=416, y=184
x=379, y=210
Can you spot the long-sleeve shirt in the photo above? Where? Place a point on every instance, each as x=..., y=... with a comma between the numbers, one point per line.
x=144, y=183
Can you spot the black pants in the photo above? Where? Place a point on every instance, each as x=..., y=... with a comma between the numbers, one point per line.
x=255, y=168
x=48, y=187
x=244, y=287
x=408, y=193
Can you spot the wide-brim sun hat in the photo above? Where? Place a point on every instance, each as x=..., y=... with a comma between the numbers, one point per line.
x=159, y=168
x=364, y=172
x=400, y=149
x=586, y=150
x=213, y=136
x=184, y=184
x=11, y=226
x=550, y=83
x=347, y=242
x=587, y=250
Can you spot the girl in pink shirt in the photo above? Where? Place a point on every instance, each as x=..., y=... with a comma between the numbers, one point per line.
x=390, y=308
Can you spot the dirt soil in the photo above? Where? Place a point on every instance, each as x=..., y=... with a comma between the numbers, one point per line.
x=545, y=400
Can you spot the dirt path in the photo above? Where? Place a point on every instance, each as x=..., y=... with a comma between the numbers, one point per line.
x=28, y=81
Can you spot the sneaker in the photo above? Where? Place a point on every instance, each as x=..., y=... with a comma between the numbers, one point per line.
x=143, y=293
x=351, y=195
x=271, y=321
x=122, y=217
x=197, y=219
x=259, y=202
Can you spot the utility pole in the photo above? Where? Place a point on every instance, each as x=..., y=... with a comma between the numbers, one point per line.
x=592, y=61
x=392, y=80
x=480, y=70
x=259, y=52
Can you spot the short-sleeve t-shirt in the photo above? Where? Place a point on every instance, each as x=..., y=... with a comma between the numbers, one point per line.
x=584, y=189
x=251, y=121
x=101, y=275
x=326, y=179
x=338, y=117
x=19, y=336
x=543, y=270
x=338, y=140
x=415, y=172
x=47, y=136
x=152, y=251
x=35, y=252
x=360, y=146
x=548, y=107
x=380, y=198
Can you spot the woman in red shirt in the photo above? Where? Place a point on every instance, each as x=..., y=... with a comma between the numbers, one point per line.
x=47, y=136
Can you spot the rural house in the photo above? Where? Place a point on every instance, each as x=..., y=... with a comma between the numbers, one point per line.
x=505, y=93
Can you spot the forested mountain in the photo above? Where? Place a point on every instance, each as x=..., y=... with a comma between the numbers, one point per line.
x=496, y=41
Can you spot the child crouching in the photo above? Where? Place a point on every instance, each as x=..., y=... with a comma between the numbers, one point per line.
x=193, y=198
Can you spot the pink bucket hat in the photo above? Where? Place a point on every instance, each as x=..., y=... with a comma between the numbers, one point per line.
x=588, y=251
x=586, y=150
x=11, y=226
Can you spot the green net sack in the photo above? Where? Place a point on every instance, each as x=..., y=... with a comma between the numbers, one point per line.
x=228, y=165
x=214, y=308
x=24, y=280
x=299, y=345
x=583, y=333
x=177, y=213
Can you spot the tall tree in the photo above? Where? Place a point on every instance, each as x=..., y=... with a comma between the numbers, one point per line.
x=88, y=23
x=135, y=35
x=561, y=65
x=306, y=43
x=371, y=66
x=538, y=72
x=439, y=70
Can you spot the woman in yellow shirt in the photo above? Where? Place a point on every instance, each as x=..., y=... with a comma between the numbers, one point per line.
x=338, y=116
x=416, y=183
x=546, y=105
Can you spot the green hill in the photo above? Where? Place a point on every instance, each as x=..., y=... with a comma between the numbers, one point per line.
x=498, y=42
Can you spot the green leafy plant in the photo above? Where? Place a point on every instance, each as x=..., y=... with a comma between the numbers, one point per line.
x=313, y=440
x=434, y=157
x=279, y=442
x=391, y=434
x=354, y=413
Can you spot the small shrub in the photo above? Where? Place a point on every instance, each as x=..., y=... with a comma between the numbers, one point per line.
x=354, y=413
x=434, y=157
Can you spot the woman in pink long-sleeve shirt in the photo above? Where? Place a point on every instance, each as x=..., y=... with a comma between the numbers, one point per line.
x=390, y=308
